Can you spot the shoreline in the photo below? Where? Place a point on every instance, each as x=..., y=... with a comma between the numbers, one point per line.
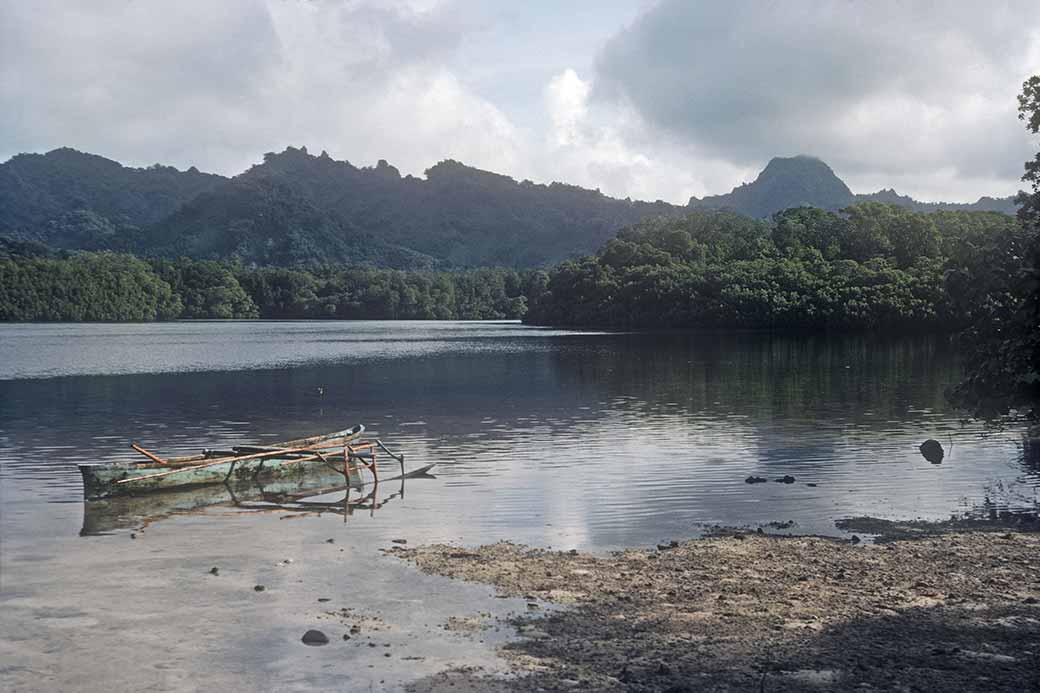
x=929, y=606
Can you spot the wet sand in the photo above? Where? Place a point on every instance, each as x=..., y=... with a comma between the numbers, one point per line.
x=927, y=608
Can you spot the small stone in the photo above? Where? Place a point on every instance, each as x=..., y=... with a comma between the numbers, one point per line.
x=258, y=588
x=324, y=599
x=214, y=570
x=346, y=637
x=315, y=637
x=354, y=630
x=755, y=480
x=785, y=479
x=398, y=541
x=1031, y=600
x=855, y=539
x=133, y=535
x=386, y=654
x=811, y=484
x=330, y=541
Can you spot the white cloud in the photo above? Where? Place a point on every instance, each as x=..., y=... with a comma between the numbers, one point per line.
x=919, y=90
x=217, y=84
x=688, y=99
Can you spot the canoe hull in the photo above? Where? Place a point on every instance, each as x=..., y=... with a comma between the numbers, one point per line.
x=102, y=480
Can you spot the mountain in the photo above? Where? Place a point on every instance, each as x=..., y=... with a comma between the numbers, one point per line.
x=805, y=181
x=297, y=208
x=68, y=199
x=798, y=181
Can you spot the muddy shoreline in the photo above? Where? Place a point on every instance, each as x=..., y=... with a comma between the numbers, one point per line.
x=928, y=607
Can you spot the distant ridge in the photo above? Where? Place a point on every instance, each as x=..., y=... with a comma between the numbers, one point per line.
x=298, y=208
x=805, y=181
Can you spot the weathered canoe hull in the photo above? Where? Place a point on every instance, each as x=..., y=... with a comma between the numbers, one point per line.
x=128, y=511
x=101, y=480
x=105, y=480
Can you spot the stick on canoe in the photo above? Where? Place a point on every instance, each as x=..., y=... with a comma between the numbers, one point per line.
x=153, y=458
x=224, y=460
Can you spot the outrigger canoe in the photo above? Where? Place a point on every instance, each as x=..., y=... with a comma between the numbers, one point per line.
x=290, y=459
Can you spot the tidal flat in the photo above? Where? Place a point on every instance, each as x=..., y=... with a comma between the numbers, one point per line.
x=947, y=610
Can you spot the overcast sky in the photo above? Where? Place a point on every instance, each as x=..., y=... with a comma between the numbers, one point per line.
x=639, y=98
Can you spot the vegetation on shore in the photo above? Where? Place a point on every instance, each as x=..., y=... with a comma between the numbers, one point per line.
x=37, y=285
x=871, y=266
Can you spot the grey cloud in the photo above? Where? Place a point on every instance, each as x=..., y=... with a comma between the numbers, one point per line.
x=870, y=87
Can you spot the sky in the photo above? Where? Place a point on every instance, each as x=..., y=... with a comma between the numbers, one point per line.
x=648, y=99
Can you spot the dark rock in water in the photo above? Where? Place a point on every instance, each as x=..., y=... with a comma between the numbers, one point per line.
x=315, y=637
x=755, y=480
x=669, y=546
x=324, y=599
x=258, y=588
x=932, y=451
x=855, y=539
x=330, y=541
x=785, y=479
x=398, y=541
x=810, y=484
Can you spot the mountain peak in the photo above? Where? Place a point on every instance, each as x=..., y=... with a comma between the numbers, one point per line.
x=785, y=182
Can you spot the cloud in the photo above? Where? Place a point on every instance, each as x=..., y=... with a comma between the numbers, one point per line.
x=217, y=84
x=671, y=100
x=918, y=91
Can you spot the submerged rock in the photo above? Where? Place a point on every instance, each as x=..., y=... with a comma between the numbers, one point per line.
x=315, y=637
x=785, y=479
x=932, y=451
x=755, y=480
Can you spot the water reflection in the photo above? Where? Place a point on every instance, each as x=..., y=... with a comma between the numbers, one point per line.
x=548, y=437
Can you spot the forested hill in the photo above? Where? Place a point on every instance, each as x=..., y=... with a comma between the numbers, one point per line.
x=68, y=199
x=805, y=181
x=295, y=208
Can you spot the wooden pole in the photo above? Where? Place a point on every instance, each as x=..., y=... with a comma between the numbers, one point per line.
x=153, y=458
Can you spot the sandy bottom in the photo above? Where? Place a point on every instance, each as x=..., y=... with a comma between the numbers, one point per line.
x=927, y=608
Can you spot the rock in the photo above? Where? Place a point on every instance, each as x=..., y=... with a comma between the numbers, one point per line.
x=214, y=570
x=755, y=480
x=133, y=535
x=855, y=539
x=398, y=541
x=932, y=451
x=1031, y=600
x=669, y=546
x=812, y=485
x=330, y=541
x=354, y=630
x=258, y=588
x=785, y=479
x=346, y=636
x=315, y=637
x=324, y=599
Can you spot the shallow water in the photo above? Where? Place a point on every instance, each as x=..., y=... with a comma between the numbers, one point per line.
x=548, y=437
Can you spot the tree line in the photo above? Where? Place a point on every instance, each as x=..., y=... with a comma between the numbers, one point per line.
x=870, y=266
x=106, y=286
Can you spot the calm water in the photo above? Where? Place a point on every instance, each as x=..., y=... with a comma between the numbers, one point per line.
x=545, y=437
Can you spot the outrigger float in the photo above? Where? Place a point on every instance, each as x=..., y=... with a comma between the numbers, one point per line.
x=342, y=451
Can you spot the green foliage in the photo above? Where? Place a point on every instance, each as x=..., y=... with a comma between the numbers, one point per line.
x=86, y=287
x=1002, y=346
x=206, y=289
x=872, y=266
x=38, y=285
